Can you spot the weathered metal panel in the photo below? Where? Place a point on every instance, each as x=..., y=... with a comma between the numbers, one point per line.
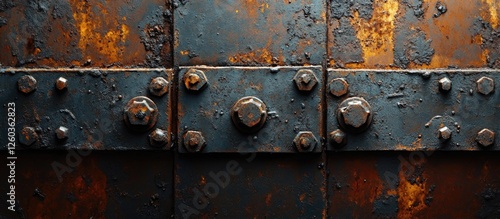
x=413, y=34
x=90, y=105
x=411, y=109
x=91, y=184
x=62, y=33
x=413, y=185
x=251, y=33
x=250, y=186
x=288, y=110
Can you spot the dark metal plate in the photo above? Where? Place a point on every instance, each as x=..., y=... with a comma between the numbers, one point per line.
x=91, y=107
x=289, y=110
x=409, y=107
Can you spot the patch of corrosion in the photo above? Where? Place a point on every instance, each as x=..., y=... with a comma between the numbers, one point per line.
x=489, y=35
x=411, y=46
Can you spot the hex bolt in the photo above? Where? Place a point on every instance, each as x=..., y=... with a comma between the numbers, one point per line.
x=27, y=84
x=444, y=133
x=194, y=80
x=337, y=138
x=249, y=114
x=140, y=114
x=158, y=138
x=158, y=86
x=445, y=84
x=305, y=79
x=354, y=114
x=485, y=137
x=305, y=141
x=28, y=136
x=61, y=83
x=338, y=87
x=194, y=141
x=62, y=133
x=485, y=85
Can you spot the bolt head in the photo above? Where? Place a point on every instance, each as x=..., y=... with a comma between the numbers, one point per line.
x=355, y=114
x=444, y=133
x=62, y=133
x=158, y=138
x=194, y=141
x=338, y=87
x=485, y=85
x=140, y=113
x=305, y=141
x=27, y=84
x=249, y=114
x=61, y=83
x=158, y=86
x=28, y=136
x=194, y=80
x=305, y=79
x=337, y=138
x=485, y=137
x=445, y=84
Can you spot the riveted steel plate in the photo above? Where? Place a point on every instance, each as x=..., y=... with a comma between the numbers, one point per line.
x=409, y=107
x=289, y=110
x=91, y=107
x=250, y=32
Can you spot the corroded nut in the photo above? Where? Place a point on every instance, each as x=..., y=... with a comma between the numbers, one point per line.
x=158, y=86
x=194, y=80
x=158, y=138
x=27, y=84
x=485, y=137
x=354, y=114
x=444, y=133
x=62, y=133
x=445, y=84
x=305, y=141
x=337, y=138
x=485, y=85
x=61, y=83
x=140, y=114
x=194, y=141
x=28, y=136
x=249, y=114
x=338, y=87
x=305, y=79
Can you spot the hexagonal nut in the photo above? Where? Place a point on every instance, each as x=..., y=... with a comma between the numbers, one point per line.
x=338, y=87
x=194, y=141
x=194, y=80
x=140, y=113
x=27, y=84
x=305, y=141
x=28, y=136
x=62, y=133
x=61, y=83
x=445, y=84
x=305, y=79
x=337, y=138
x=158, y=86
x=485, y=138
x=444, y=133
x=158, y=138
x=355, y=114
x=249, y=114
x=485, y=85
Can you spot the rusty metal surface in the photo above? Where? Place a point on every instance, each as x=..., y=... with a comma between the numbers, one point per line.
x=288, y=110
x=91, y=33
x=410, y=108
x=413, y=34
x=94, y=184
x=413, y=185
x=249, y=185
x=90, y=107
x=250, y=32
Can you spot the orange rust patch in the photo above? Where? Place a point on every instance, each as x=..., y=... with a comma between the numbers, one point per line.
x=259, y=56
x=411, y=196
x=268, y=199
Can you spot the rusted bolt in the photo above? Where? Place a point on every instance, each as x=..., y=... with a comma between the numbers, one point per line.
x=158, y=86
x=445, y=84
x=338, y=87
x=485, y=85
x=158, y=138
x=305, y=79
x=61, y=83
x=27, y=84
x=249, y=114
x=140, y=114
x=354, y=114
x=62, y=133
x=444, y=133
x=195, y=79
x=194, y=141
x=28, y=136
x=485, y=137
x=305, y=141
x=337, y=138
